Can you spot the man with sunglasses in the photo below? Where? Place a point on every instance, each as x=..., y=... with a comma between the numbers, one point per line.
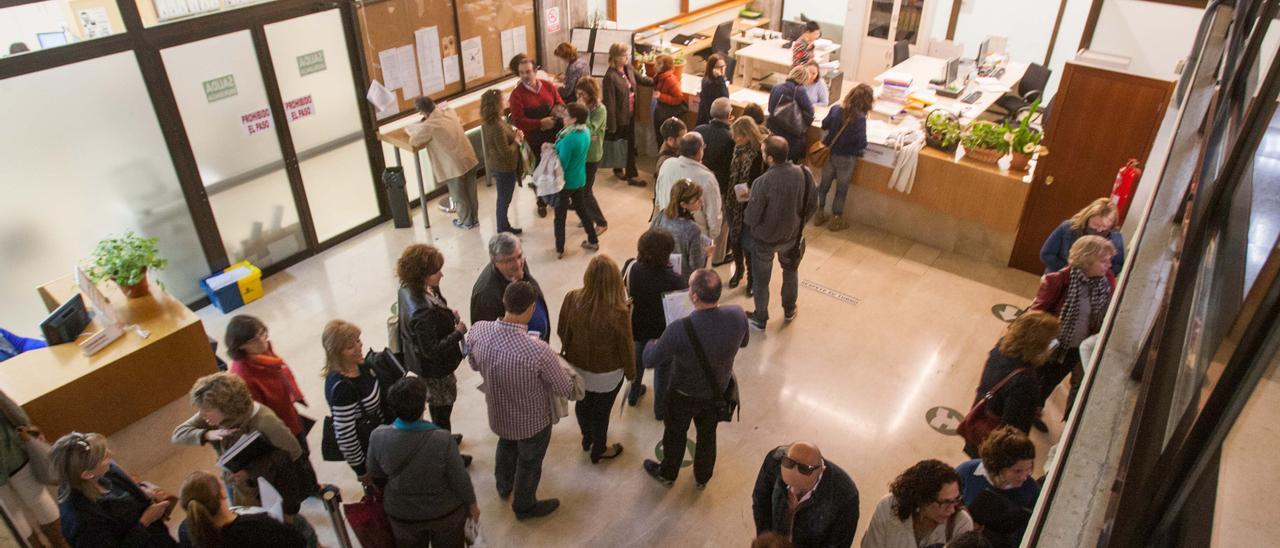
x=803, y=497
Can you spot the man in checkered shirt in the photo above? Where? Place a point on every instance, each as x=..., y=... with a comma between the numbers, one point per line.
x=521, y=373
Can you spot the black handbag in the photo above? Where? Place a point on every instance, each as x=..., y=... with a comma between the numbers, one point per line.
x=787, y=116
x=365, y=425
x=729, y=401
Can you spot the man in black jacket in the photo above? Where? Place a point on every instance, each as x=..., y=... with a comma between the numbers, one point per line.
x=506, y=265
x=718, y=153
x=801, y=496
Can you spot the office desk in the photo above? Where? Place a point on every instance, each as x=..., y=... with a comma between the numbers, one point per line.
x=739, y=26
x=770, y=56
x=64, y=390
x=923, y=68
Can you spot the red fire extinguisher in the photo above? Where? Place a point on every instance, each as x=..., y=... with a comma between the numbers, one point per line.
x=1122, y=191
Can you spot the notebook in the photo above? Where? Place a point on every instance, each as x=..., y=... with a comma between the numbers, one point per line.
x=244, y=451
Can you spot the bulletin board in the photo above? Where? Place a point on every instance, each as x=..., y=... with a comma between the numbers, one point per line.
x=491, y=25
x=391, y=25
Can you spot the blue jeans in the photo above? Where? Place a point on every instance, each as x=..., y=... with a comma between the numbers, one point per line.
x=506, y=181
x=762, y=271
x=839, y=169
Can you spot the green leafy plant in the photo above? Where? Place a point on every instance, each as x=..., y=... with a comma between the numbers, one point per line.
x=986, y=135
x=943, y=128
x=1026, y=139
x=678, y=57
x=125, y=259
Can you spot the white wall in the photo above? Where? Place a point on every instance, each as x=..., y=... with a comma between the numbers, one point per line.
x=1027, y=24
x=1155, y=36
x=827, y=11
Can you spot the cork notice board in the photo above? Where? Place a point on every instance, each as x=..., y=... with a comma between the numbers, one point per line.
x=390, y=24
x=492, y=22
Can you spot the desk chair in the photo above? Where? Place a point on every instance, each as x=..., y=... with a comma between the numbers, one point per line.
x=1030, y=88
x=901, y=51
x=719, y=41
x=730, y=63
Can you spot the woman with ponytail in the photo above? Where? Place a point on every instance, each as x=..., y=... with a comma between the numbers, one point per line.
x=211, y=523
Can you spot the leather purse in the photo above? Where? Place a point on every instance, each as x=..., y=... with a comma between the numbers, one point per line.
x=820, y=153
x=980, y=422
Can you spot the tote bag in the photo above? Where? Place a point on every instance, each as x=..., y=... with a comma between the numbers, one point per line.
x=615, y=154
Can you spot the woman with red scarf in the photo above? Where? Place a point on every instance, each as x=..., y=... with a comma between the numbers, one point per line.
x=270, y=380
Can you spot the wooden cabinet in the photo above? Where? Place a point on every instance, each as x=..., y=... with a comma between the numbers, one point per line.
x=1100, y=118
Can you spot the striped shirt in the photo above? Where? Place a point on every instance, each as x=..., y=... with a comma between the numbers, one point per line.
x=349, y=399
x=520, y=374
x=801, y=52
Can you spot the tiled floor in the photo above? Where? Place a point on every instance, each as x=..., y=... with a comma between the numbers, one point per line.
x=857, y=379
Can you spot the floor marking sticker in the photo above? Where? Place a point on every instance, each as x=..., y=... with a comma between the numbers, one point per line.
x=830, y=292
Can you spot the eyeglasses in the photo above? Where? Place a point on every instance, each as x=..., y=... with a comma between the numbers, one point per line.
x=806, y=469
x=948, y=503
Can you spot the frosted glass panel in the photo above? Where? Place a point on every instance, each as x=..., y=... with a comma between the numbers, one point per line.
x=699, y=4
x=75, y=175
x=311, y=63
x=224, y=108
x=826, y=11
x=636, y=14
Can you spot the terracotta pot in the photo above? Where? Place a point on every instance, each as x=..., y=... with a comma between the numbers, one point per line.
x=678, y=69
x=1019, y=161
x=651, y=69
x=984, y=155
x=140, y=289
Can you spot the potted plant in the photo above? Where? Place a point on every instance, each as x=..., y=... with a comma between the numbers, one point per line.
x=126, y=260
x=645, y=63
x=985, y=141
x=1025, y=141
x=678, y=66
x=943, y=130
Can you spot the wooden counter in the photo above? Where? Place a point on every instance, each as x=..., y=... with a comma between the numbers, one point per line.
x=64, y=390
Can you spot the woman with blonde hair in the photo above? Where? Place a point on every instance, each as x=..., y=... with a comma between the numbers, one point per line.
x=677, y=218
x=1099, y=218
x=845, y=130
x=1018, y=354
x=211, y=523
x=501, y=151
x=669, y=94
x=792, y=92
x=100, y=504
x=1078, y=295
x=225, y=413
x=595, y=333
x=619, y=97
x=747, y=165
x=353, y=393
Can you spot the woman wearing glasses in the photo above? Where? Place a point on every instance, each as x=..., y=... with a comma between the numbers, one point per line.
x=1096, y=219
x=922, y=510
x=269, y=379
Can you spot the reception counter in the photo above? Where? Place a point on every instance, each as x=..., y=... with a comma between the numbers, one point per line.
x=64, y=390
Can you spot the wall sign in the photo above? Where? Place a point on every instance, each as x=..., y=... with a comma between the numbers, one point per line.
x=256, y=121
x=220, y=88
x=300, y=108
x=553, y=19
x=310, y=63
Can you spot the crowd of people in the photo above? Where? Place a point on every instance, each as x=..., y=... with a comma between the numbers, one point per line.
x=732, y=190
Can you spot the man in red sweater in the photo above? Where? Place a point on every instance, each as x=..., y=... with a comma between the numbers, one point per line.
x=531, y=103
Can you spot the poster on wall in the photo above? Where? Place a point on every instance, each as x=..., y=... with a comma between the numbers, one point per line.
x=472, y=58
x=553, y=19
x=257, y=121
x=220, y=88
x=450, y=69
x=95, y=23
x=513, y=43
x=302, y=107
x=429, y=64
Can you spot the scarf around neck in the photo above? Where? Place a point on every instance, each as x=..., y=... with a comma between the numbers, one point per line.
x=1099, y=292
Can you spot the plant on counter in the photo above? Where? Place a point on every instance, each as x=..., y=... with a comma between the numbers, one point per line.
x=125, y=260
x=943, y=130
x=985, y=141
x=1025, y=140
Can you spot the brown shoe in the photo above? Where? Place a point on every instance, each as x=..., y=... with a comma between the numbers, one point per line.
x=837, y=224
x=820, y=218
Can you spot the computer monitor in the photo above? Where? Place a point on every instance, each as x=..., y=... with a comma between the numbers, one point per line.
x=791, y=30
x=952, y=70
x=51, y=39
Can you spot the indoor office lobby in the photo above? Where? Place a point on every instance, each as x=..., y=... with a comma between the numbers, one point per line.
x=269, y=149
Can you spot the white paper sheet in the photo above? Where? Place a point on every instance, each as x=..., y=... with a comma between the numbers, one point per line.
x=408, y=68
x=520, y=42
x=382, y=99
x=95, y=22
x=580, y=38
x=428, y=41
x=272, y=502
x=389, y=60
x=450, y=69
x=472, y=58
x=508, y=48
x=676, y=305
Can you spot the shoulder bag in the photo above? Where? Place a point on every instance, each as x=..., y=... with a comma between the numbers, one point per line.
x=33, y=443
x=820, y=153
x=365, y=425
x=787, y=116
x=980, y=422
x=792, y=257
x=729, y=398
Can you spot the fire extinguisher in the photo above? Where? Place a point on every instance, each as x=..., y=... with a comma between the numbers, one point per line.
x=1122, y=191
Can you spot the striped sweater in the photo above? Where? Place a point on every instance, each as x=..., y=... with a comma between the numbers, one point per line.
x=349, y=399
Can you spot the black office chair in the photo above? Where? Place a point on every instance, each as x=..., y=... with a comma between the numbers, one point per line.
x=1030, y=88
x=901, y=51
x=730, y=63
x=720, y=41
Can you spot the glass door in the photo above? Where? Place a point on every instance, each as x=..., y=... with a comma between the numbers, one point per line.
x=218, y=86
x=313, y=70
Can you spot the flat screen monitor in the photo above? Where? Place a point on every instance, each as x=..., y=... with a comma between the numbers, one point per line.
x=791, y=30
x=51, y=39
x=66, y=323
x=952, y=71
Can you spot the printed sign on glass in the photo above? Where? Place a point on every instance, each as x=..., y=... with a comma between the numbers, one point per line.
x=220, y=88
x=300, y=108
x=310, y=63
x=256, y=121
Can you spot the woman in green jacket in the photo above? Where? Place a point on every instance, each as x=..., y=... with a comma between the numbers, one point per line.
x=588, y=90
x=572, y=145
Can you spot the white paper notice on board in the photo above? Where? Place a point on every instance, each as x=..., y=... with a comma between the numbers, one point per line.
x=95, y=22
x=450, y=69
x=382, y=99
x=390, y=63
x=408, y=76
x=428, y=41
x=519, y=41
x=472, y=58
x=257, y=121
x=508, y=50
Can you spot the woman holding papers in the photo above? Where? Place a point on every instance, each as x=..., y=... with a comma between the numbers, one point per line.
x=647, y=278
x=677, y=218
x=251, y=443
x=101, y=506
x=211, y=523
